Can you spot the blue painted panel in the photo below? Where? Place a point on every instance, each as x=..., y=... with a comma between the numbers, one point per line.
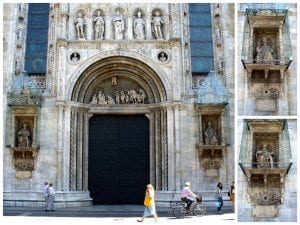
x=37, y=38
x=201, y=37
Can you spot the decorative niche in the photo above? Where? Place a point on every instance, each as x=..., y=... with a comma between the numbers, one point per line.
x=24, y=101
x=265, y=61
x=265, y=164
x=211, y=144
x=23, y=140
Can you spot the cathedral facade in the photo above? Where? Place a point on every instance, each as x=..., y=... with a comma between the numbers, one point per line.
x=102, y=99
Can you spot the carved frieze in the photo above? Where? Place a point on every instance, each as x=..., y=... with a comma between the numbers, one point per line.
x=24, y=160
x=121, y=97
x=266, y=196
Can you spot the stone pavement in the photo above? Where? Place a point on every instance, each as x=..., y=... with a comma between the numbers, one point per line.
x=108, y=214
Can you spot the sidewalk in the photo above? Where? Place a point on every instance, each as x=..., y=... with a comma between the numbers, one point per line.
x=101, y=211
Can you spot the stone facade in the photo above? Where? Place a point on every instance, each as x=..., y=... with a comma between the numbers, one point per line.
x=267, y=183
x=267, y=50
x=102, y=60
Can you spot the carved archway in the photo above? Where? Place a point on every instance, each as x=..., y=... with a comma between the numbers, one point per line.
x=108, y=75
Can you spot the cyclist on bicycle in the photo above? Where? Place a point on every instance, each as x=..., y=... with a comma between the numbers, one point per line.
x=187, y=195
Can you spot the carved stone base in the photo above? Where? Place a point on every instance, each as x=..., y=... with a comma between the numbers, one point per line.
x=265, y=211
x=23, y=174
x=266, y=105
x=211, y=173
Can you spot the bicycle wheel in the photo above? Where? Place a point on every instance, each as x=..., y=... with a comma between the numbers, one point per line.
x=179, y=210
x=199, y=209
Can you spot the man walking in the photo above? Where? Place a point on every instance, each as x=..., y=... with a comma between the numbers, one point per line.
x=46, y=190
x=51, y=199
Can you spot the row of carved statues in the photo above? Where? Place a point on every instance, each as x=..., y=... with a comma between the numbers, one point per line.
x=121, y=97
x=118, y=20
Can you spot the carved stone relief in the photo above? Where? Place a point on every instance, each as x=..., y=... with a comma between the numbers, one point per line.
x=266, y=150
x=265, y=51
x=157, y=23
x=119, y=25
x=266, y=197
x=80, y=24
x=211, y=130
x=139, y=26
x=99, y=25
x=266, y=95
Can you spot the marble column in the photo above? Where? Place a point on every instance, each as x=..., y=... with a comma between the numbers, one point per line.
x=62, y=51
x=89, y=27
x=148, y=26
x=129, y=28
x=60, y=138
x=108, y=28
x=171, y=149
x=222, y=129
x=177, y=147
x=64, y=18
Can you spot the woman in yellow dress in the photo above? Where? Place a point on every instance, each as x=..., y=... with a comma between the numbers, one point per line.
x=149, y=204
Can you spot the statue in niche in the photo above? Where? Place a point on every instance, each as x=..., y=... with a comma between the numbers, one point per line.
x=118, y=25
x=139, y=26
x=264, y=51
x=157, y=24
x=264, y=157
x=79, y=24
x=94, y=100
x=101, y=98
x=23, y=136
x=210, y=135
x=99, y=26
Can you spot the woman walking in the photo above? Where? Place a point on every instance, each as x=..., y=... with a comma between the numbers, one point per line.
x=149, y=204
x=232, y=195
x=219, y=196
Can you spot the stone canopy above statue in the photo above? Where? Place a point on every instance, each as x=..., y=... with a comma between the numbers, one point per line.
x=24, y=92
x=212, y=91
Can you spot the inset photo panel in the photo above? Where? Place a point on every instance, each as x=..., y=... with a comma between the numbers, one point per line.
x=267, y=59
x=267, y=171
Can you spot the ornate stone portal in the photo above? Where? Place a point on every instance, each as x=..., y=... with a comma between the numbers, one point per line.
x=267, y=167
x=266, y=63
x=118, y=85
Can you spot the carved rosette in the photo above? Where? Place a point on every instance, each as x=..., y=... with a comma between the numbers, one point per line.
x=266, y=197
x=211, y=164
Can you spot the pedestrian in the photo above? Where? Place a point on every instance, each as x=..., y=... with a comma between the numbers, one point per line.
x=232, y=195
x=149, y=204
x=219, y=196
x=51, y=196
x=46, y=190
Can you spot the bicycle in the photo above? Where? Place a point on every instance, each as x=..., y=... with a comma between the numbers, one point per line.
x=198, y=208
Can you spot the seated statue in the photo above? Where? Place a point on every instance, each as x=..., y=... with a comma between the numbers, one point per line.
x=264, y=157
x=23, y=136
x=210, y=135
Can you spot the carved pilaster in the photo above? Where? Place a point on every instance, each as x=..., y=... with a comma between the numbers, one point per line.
x=64, y=19
x=73, y=127
x=129, y=27
x=158, y=149
x=79, y=144
x=148, y=26
x=85, y=152
x=108, y=28
x=164, y=141
x=89, y=27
